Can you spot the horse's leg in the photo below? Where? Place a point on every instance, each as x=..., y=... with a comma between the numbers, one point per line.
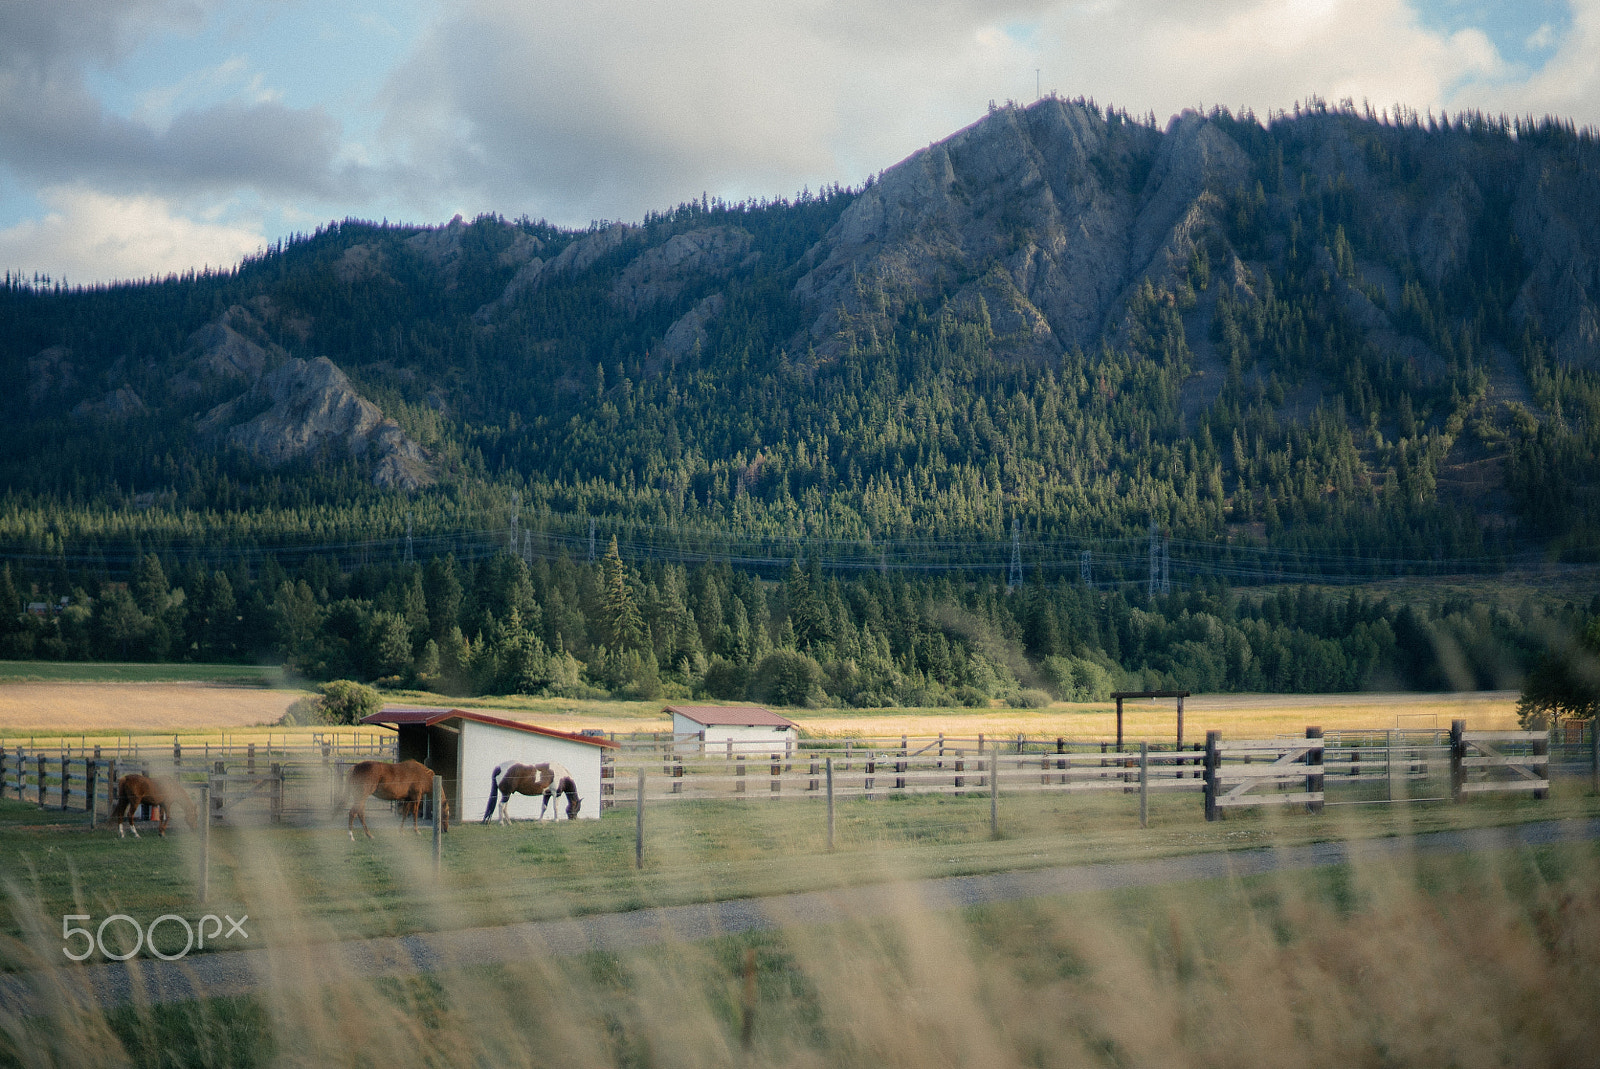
x=505, y=802
x=359, y=812
x=162, y=829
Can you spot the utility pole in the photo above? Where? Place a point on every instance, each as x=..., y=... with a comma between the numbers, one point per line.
x=408, y=538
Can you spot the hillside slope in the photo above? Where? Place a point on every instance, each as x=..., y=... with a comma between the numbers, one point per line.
x=1328, y=330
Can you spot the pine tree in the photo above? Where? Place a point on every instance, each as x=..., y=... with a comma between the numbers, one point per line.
x=621, y=621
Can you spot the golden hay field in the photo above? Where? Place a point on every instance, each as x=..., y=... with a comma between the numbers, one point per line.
x=68, y=707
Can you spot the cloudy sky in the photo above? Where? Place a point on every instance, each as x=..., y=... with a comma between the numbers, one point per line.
x=139, y=137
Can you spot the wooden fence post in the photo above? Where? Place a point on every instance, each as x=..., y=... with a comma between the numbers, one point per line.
x=738, y=771
x=638, y=825
x=66, y=783
x=219, y=792
x=275, y=795
x=1213, y=761
x=830, y=805
x=111, y=787
x=205, y=840
x=777, y=773
x=1594, y=753
x=1144, y=783
x=1458, y=752
x=39, y=765
x=1541, y=748
x=994, y=792
x=91, y=771
x=1314, y=780
x=438, y=824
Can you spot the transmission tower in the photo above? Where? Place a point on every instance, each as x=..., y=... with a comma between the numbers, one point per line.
x=1015, y=575
x=408, y=538
x=1166, y=564
x=1085, y=568
x=516, y=510
x=591, y=539
x=1155, y=561
x=1160, y=562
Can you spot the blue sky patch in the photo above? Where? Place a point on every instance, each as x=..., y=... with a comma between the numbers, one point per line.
x=1526, y=32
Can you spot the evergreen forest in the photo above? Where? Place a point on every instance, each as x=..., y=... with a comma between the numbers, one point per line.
x=871, y=446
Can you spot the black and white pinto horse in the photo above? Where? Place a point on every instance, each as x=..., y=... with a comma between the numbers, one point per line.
x=547, y=780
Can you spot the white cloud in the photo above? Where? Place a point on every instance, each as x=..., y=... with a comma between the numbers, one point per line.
x=1568, y=84
x=89, y=236
x=609, y=108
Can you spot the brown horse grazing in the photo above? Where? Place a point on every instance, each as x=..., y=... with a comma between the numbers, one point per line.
x=134, y=790
x=547, y=779
x=408, y=782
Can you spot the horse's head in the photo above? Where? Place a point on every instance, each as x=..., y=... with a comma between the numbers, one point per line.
x=573, y=804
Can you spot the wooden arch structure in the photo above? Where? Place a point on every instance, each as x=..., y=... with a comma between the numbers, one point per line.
x=1121, y=694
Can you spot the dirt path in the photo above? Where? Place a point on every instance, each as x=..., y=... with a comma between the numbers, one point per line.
x=67, y=707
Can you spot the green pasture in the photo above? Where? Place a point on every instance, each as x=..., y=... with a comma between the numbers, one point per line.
x=1483, y=959
x=314, y=883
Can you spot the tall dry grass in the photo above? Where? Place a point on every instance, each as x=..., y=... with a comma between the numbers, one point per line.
x=1420, y=960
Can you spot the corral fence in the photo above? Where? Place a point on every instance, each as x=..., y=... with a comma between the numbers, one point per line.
x=300, y=782
x=277, y=782
x=1343, y=767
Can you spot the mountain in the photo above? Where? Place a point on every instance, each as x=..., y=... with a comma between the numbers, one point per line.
x=1329, y=331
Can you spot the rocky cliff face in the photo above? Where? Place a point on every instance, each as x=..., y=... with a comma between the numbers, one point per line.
x=311, y=407
x=1053, y=214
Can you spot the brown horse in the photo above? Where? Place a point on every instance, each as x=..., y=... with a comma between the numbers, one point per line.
x=135, y=790
x=408, y=782
x=547, y=779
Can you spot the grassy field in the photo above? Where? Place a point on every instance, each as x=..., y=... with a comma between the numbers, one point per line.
x=237, y=675
x=1425, y=960
x=63, y=709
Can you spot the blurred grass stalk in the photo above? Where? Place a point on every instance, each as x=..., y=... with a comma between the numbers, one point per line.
x=1421, y=959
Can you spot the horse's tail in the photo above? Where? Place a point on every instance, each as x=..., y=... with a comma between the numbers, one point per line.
x=124, y=797
x=494, y=789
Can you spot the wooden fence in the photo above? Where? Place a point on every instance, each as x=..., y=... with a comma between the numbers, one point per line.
x=302, y=783
x=254, y=789
x=1234, y=769
x=1497, y=761
x=940, y=766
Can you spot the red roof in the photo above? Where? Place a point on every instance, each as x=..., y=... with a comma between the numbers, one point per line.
x=430, y=717
x=732, y=716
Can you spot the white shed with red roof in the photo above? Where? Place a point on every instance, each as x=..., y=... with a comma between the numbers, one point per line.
x=750, y=727
x=465, y=746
